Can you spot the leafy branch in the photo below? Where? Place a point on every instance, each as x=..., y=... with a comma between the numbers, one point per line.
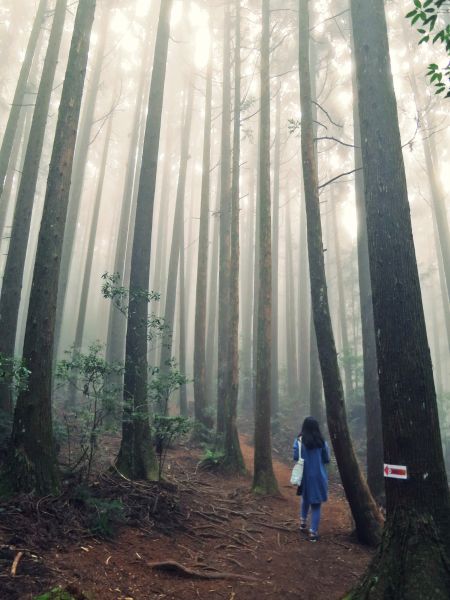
x=425, y=17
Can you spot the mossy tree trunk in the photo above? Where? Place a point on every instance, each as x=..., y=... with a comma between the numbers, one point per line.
x=413, y=561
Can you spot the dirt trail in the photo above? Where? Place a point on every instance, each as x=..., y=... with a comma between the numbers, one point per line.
x=227, y=530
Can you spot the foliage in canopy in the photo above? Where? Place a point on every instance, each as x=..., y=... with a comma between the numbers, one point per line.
x=425, y=16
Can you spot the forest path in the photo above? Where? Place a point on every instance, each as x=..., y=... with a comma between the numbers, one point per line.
x=335, y=517
x=226, y=529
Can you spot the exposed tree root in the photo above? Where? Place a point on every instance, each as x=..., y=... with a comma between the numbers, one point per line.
x=171, y=566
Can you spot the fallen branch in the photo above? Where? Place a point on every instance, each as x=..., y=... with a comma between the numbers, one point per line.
x=171, y=566
x=16, y=563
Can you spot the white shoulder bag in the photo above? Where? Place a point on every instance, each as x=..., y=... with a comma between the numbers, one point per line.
x=297, y=471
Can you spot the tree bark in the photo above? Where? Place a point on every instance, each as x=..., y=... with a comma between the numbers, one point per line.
x=136, y=456
x=374, y=452
x=291, y=350
x=304, y=338
x=211, y=339
x=264, y=481
x=32, y=463
x=223, y=368
x=247, y=299
x=413, y=558
x=233, y=460
x=79, y=170
x=364, y=510
x=200, y=391
x=275, y=262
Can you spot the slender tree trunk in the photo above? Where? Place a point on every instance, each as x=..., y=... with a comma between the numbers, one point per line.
x=200, y=390
x=291, y=350
x=304, y=340
x=223, y=369
x=32, y=461
x=264, y=481
x=87, y=271
x=211, y=382
x=342, y=305
x=234, y=461
x=15, y=262
x=136, y=456
x=316, y=406
x=374, y=452
x=182, y=318
x=16, y=107
x=256, y=282
x=275, y=262
x=115, y=346
x=413, y=560
x=79, y=170
x=14, y=172
x=178, y=230
x=362, y=505
x=247, y=301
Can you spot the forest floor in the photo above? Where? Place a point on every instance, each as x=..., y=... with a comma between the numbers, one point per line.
x=244, y=546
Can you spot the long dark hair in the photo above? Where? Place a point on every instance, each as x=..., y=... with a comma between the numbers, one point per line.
x=311, y=436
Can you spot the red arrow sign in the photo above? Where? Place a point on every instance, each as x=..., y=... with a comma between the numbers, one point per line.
x=395, y=471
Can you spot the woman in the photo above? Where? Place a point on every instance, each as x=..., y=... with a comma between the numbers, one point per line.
x=314, y=450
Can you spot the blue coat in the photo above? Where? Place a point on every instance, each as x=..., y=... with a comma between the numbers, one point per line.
x=315, y=478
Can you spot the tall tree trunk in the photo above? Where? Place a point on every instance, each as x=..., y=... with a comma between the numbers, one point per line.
x=304, y=339
x=200, y=391
x=256, y=274
x=275, y=262
x=362, y=505
x=79, y=170
x=247, y=298
x=182, y=318
x=374, y=452
x=223, y=369
x=87, y=271
x=211, y=345
x=234, y=461
x=15, y=262
x=115, y=346
x=342, y=305
x=32, y=461
x=178, y=229
x=441, y=277
x=14, y=173
x=413, y=561
x=264, y=481
x=136, y=456
x=291, y=350
x=316, y=406
x=16, y=107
